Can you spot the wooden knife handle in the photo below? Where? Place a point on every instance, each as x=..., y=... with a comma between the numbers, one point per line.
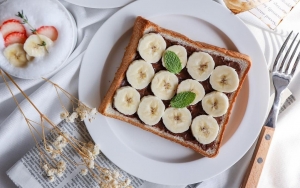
x=257, y=162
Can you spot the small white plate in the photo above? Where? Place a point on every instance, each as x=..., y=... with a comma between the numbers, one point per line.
x=144, y=154
x=49, y=12
x=100, y=3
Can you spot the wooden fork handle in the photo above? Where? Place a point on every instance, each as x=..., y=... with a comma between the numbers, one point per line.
x=257, y=162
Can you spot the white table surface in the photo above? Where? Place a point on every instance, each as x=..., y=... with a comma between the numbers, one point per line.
x=15, y=139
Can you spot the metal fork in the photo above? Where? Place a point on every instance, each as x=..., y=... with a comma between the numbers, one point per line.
x=281, y=78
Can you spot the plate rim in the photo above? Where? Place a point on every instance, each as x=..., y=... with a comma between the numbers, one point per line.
x=99, y=3
x=176, y=182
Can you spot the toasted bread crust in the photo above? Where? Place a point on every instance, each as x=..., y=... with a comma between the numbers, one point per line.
x=141, y=27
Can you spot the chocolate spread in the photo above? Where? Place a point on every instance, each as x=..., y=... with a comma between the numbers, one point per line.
x=196, y=109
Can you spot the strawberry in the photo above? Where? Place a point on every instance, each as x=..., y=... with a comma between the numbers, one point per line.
x=15, y=37
x=11, y=26
x=48, y=31
x=11, y=20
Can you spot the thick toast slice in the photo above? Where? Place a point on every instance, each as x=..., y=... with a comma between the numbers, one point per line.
x=240, y=62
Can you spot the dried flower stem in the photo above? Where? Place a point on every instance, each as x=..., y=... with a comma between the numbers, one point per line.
x=27, y=121
x=24, y=94
x=29, y=124
x=42, y=116
x=60, y=101
x=60, y=88
x=87, y=151
x=71, y=97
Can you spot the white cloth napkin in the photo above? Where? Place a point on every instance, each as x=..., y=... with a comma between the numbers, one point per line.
x=15, y=138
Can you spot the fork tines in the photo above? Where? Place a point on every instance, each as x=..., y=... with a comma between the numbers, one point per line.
x=286, y=55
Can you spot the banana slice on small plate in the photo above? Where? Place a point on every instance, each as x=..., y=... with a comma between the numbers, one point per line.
x=151, y=47
x=127, y=100
x=177, y=120
x=164, y=85
x=224, y=79
x=215, y=103
x=200, y=65
x=16, y=55
x=180, y=51
x=150, y=110
x=193, y=86
x=139, y=74
x=34, y=45
x=205, y=129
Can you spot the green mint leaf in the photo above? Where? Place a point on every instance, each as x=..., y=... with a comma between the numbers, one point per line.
x=183, y=99
x=172, y=62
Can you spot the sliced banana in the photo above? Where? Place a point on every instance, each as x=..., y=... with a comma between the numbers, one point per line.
x=127, y=100
x=200, y=65
x=224, y=79
x=151, y=47
x=164, y=85
x=29, y=58
x=177, y=120
x=139, y=74
x=34, y=45
x=150, y=110
x=180, y=51
x=193, y=86
x=205, y=129
x=215, y=103
x=16, y=55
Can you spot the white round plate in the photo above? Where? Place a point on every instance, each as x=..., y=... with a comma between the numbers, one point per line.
x=100, y=3
x=48, y=13
x=144, y=154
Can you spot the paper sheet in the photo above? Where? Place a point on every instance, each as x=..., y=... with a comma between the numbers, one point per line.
x=271, y=12
x=238, y=6
x=274, y=11
x=27, y=172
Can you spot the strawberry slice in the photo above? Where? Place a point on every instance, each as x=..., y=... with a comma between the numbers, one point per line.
x=15, y=37
x=48, y=31
x=11, y=20
x=11, y=26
